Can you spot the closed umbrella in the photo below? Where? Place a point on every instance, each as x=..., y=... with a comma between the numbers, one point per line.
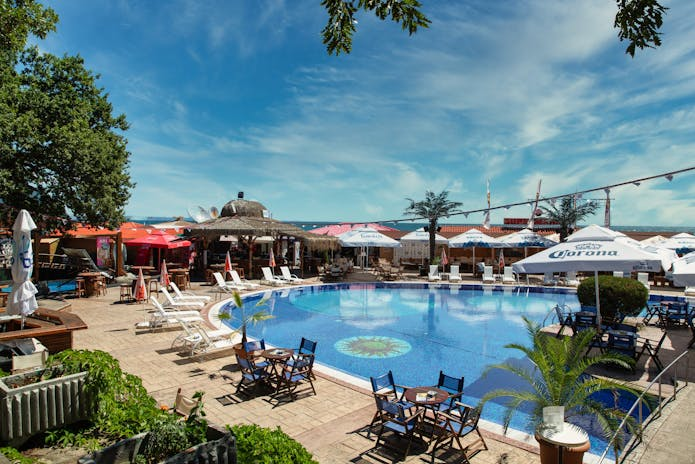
x=271, y=260
x=227, y=266
x=22, y=299
x=164, y=280
x=140, y=292
x=444, y=259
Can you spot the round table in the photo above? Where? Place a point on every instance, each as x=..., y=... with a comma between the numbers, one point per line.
x=426, y=396
x=276, y=357
x=569, y=435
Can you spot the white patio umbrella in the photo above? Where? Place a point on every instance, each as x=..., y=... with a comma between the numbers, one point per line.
x=22, y=299
x=684, y=271
x=600, y=252
x=366, y=237
x=474, y=238
x=418, y=238
x=654, y=240
x=682, y=243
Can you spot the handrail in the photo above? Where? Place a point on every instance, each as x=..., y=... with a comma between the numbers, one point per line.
x=639, y=401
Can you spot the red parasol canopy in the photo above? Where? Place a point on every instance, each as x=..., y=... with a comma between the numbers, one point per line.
x=159, y=239
x=336, y=229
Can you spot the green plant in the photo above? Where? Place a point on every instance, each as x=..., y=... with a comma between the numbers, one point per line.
x=434, y=207
x=119, y=404
x=559, y=378
x=617, y=295
x=254, y=318
x=259, y=445
x=16, y=457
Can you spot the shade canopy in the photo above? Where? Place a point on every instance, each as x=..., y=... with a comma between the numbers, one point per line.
x=684, y=271
x=681, y=243
x=527, y=238
x=589, y=255
x=474, y=238
x=655, y=240
x=159, y=239
x=594, y=232
x=22, y=299
x=366, y=237
x=420, y=236
x=334, y=230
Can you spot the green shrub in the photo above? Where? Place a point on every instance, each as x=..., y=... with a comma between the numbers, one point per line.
x=15, y=457
x=120, y=406
x=259, y=445
x=617, y=295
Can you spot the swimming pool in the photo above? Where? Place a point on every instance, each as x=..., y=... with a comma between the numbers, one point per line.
x=415, y=330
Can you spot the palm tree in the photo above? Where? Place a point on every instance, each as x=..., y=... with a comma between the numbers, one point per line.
x=254, y=318
x=433, y=208
x=567, y=214
x=559, y=378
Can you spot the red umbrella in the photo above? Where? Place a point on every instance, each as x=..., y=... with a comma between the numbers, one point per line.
x=140, y=292
x=336, y=229
x=271, y=259
x=164, y=280
x=159, y=239
x=227, y=265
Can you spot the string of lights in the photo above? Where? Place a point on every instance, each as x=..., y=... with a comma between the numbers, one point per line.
x=636, y=182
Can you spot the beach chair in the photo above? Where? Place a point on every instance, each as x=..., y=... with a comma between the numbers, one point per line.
x=161, y=316
x=288, y=276
x=183, y=296
x=452, y=426
x=197, y=338
x=228, y=287
x=454, y=274
x=508, y=277
x=549, y=279
x=488, y=276
x=269, y=278
x=433, y=275
x=643, y=277
x=170, y=302
x=689, y=291
x=571, y=279
x=236, y=280
x=618, y=274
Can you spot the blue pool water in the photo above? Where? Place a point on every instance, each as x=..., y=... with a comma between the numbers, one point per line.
x=54, y=286
x=414, y=330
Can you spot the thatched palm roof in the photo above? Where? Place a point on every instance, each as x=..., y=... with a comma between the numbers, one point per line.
x=242, y=217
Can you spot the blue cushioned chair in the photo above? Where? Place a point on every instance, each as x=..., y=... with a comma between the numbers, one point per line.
x=393, y=418
x=384, y=387
x=450, y=427
x=251, y=374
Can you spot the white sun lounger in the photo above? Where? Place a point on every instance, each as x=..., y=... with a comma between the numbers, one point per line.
x=161, y=316
x=288, y=276
x=454, y=274
x=228, y=287
x=270, y=278
x=508, y=277
x=196, y=337
x=488, y=276
x=172, y=303
x=183, y=296
x=236, y=280
x=433, y=275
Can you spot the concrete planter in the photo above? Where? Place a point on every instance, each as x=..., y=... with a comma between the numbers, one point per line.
x=34, y=408
x=219, y=449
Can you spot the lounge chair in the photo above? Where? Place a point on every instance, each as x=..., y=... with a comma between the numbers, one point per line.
x=183, y=296
x=488, y=276
x=269, y=278
x=508, y=277
x=451, y=426
x=454, y=274
x=197, y=338
x=236, y=280
x=223, y=286
x=618, y=274
x=433, y=275
x=549, y=279
x=170, y=302
x=571, y=279
x=288, y=276
x=689, y=291
x=644, y=278
x=161, y=316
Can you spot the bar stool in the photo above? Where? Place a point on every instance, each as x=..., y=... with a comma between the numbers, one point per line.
x=80, y=288
x=126, y=293
x=180, y=280
x=153, y=285
x=100, y=285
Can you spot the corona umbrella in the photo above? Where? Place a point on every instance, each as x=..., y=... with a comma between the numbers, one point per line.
x=22, y=299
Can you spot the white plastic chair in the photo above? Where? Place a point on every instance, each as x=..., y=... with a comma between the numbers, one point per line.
x=644, y=278
x=454, y=274
x=618, y=274
x=571, y=279
x=236, y=280
x=488, y=276
x=181, y=296
x=434, y=273
x=270, y=278
x=549, y=279
x=228, y=287
x=508, y=277
x=288, y=276
x=163, y=317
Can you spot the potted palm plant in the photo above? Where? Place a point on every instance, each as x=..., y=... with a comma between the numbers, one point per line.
x=559, y=378
x=245, y=319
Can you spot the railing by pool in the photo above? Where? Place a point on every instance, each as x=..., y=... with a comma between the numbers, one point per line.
x=639, y=403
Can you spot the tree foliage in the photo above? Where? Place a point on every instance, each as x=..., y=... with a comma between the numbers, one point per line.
x=568, y=213
x=559, y=378
x=637, y=21
x=617, y=295
x=337, y=35
x=433, y=208
x=62, y=152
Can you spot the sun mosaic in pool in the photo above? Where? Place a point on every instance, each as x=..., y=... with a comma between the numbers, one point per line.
x=372, y=347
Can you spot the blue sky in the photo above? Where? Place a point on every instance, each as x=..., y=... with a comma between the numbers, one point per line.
x=241, y=96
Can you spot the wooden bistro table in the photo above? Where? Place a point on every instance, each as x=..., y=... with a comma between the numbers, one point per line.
x=90, y=282
x=426, y=396
x=277, y=357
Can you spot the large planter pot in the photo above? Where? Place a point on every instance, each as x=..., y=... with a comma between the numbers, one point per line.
x=219, y=449
x=550, y=453
x=36, y=407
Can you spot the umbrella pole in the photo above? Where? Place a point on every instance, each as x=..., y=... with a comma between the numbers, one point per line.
x=598, y=301
x=474, y=262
